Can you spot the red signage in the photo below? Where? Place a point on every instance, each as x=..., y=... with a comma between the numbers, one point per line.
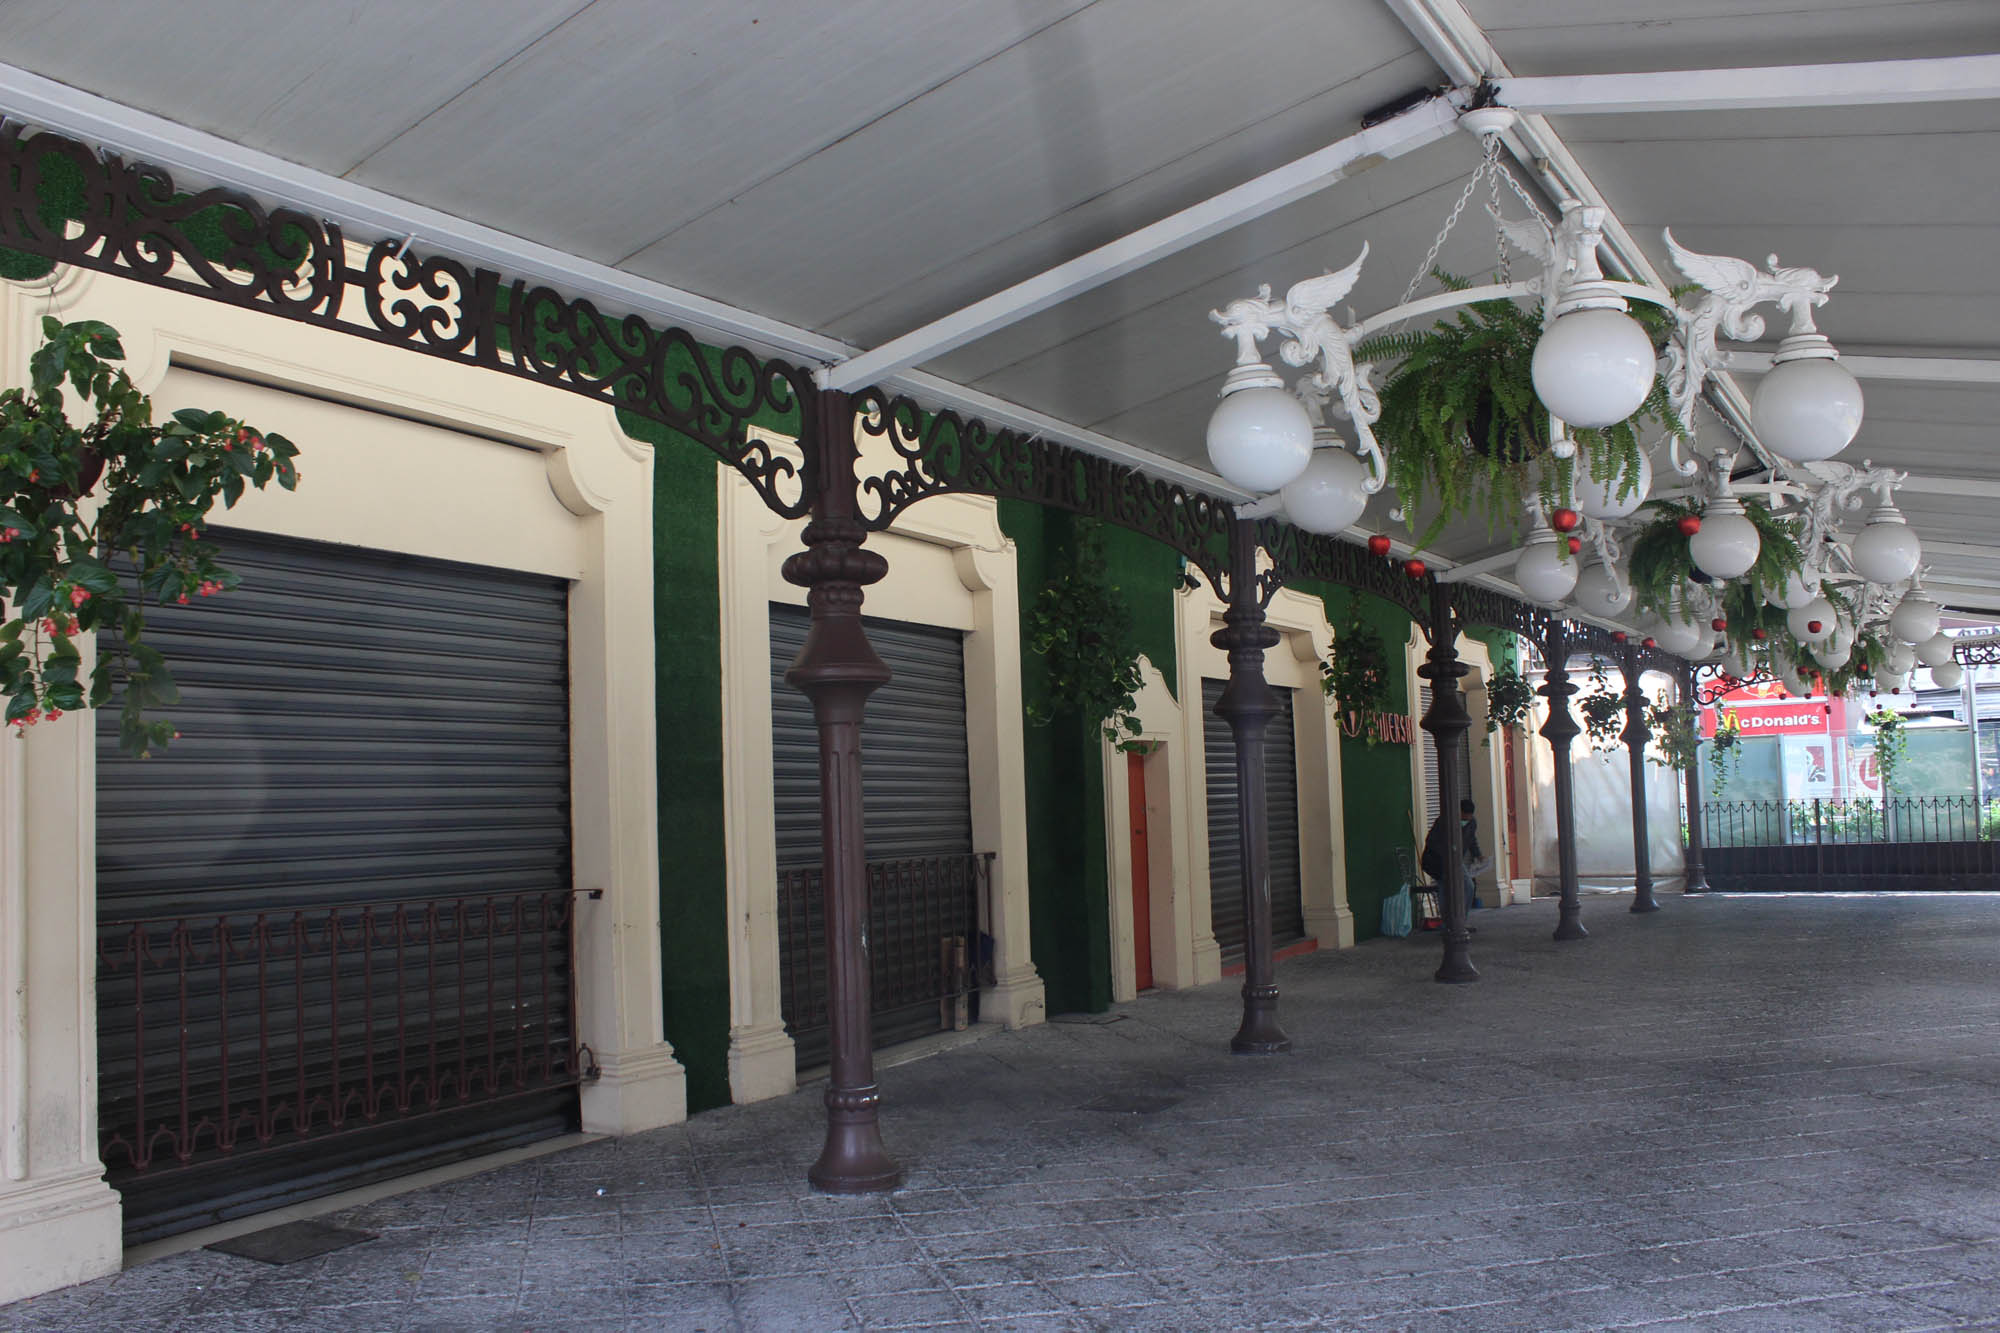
x=1392, y=727
x=1774, y=716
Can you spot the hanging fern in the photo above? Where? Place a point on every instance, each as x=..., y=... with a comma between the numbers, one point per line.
x=1674, y=732
x=1080, y=624
x=1464, y=430
x=1602, y=709
x=1356, y=673
x=1508, y=698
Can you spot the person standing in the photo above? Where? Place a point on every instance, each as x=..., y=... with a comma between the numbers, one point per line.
x=1471, y=857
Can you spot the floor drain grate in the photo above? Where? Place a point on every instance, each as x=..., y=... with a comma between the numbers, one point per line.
x=292, y=1242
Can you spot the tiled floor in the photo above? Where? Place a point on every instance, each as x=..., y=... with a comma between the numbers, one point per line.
x=1737, y=1114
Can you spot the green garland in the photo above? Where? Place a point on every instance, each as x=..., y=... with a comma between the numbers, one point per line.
x=1465, y=430
x=1080, y=624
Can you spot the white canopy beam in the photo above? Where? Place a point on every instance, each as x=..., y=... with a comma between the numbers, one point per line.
x=1859, y=83
x=1920, y=369
x=1422, y=124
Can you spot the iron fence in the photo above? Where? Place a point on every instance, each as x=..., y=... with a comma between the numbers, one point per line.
x=1907, y=842
x=226, y=1034
x=929, y=947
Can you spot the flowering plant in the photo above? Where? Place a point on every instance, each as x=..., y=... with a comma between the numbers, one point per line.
x=81, y=505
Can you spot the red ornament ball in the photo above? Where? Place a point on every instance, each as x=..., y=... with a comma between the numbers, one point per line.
x=1812, y=627
x=1565, y=520
x=1415, y=568
x=1619, y=636
x=1718, y=624
x=1378, y=545
x=1649, y=642
x=1759, y=635
x=1689, y=525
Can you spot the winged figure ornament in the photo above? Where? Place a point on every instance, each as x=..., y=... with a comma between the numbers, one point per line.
x=1732, y=288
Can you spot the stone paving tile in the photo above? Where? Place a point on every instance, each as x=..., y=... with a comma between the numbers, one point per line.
x=1737, y=1114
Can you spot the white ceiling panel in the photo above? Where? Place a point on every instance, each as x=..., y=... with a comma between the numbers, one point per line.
x=1119, y=91
x=639, y=118
x=323, y=85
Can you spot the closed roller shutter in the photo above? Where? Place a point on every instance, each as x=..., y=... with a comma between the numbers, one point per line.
x=1464, y=757
x=1225, y=859
x=365, y=833
x=917, y=812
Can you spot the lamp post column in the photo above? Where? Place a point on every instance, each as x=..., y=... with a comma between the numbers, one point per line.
x=1694, y=877
x=1446, y=720
x=1248, y=705
x=838, y=669
x=1635, y=736
x=1560, y=729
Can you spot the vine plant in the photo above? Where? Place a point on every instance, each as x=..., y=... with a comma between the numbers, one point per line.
x=1674, y=733
x=1079, y=623
x=1602, y=709
x=1725, y=752
x=1890, y=741
x=78, y=503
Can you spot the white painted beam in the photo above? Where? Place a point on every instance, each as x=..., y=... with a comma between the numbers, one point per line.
x=1974, y=488
x=1421, y=125
x=1858, y=83
x=368, y=215
x=1918, y=369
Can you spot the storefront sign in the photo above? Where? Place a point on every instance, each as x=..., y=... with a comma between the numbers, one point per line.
x=1780, y=717
x=1396, y=728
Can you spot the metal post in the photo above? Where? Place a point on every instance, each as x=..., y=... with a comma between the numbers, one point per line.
x=1248, y=704
x=1447, y=721
x=1560, y=729
x=838, y=669
x=1694, y=877
x=1635, y=736
x=1819, y=847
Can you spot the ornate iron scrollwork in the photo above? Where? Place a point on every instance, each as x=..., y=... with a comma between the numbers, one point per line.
x=128, y=219
x=1983, y=653
x=1297, y=554
x=1711, y=681
x=940, y=453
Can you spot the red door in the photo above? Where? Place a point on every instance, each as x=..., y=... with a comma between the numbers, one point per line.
x=1142, y=893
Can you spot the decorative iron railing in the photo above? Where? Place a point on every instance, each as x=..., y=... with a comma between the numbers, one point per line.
x=929, y=947
x=1907, y=842
x=231, y=1033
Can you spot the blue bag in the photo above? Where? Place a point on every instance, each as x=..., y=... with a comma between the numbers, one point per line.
x=1396, y=913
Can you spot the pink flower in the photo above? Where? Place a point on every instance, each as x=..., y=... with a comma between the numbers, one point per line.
x=78, y=596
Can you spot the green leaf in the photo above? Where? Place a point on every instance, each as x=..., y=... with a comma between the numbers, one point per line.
x=41, y=596
x=92, y=575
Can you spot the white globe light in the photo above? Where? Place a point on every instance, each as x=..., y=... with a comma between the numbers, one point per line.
x=1543, y=571
x=1887, y=681
x=1676, y=636
x=1935, y=651
x=1886, y=551
x=1948, y=676
x=1600, y=592
x=1259, y=438
x=1901, y=659
x=1807, y=410
x=1833, y=654
x=1328, y=496
x=1817, y=613
x=1790, y=677
x=1842, y=641
x=1733, y=663
x=1727, y=544
x=1594, y=367
x=1599, y=499
x=1915, y=617
x=1797, y=589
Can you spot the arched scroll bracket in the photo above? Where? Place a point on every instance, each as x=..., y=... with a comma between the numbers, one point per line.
x=941, y=453
x=61, y=200
x=1297, y=554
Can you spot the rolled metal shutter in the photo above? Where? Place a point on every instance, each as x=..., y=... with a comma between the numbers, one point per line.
x=1463, y=757
x=360, y=730
x=1225, y=859
x=916, y=804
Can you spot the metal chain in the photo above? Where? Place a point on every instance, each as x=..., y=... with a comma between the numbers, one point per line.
x=1489, y=160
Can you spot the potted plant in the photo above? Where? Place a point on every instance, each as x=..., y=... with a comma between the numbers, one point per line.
x=1464, y=429
x=100, y=520
x=1602, y=710
x=1725, y=752
x=1661, y=565
x=1508, y=698
x=1080, y=624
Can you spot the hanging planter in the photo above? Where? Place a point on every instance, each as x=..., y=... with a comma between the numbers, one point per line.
x=1509, y=696
x=1465, y=431
x=1661, y=563
x=1674, y=733
x=1355, y=674
x=77, y=503
x=1724, y=753
x=1602, y=710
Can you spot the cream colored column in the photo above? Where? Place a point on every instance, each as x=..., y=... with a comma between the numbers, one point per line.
x=59, y=1221
x=1316, y=741
x=750, y=541
x=1197, y=612
x=987, y=568
x=614, y=792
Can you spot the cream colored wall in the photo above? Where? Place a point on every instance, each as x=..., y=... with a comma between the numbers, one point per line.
x=398, y=452
x=1292, y=664
x=950, y=566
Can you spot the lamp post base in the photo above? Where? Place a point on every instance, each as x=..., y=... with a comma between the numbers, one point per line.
x=1569, y=928
x=1260, y=1033
x=853, y=1160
